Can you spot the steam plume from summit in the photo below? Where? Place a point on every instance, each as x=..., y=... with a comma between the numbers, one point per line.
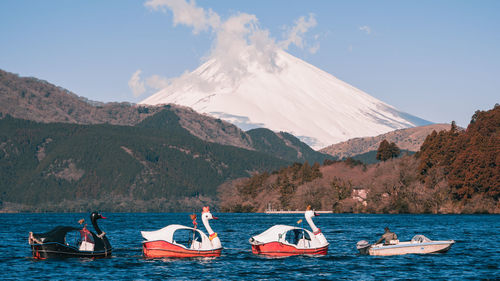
x=238, y=34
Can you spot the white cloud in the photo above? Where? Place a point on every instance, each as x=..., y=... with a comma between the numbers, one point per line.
x=136, y=85
x=296, y=33
x=187, y=13
x=238, y=41
x=366, y=29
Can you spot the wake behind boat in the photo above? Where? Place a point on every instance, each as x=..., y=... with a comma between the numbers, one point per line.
x=68, y=241
x=419, y=244
x=285, y=240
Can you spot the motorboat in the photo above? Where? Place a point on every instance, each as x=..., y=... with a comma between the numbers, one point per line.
x=284, y=240
x=178, y=241
x=68, y=241
x=419, y=244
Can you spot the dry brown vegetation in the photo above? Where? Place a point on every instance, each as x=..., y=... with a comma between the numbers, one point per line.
x=213, y=130
x=37, y=100
x=455, y=172
x=406, y=139
x=392, y=186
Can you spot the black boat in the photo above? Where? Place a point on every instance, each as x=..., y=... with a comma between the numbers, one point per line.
x=68, y=241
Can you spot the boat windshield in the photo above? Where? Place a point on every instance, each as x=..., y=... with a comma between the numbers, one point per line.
x=420, y=239
x=295, y=235
x=186, y=237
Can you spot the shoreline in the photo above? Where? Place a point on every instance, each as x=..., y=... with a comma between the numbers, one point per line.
x=294, y=212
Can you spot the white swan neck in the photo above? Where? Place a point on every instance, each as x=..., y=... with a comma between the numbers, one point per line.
x=316, y=231
x=310, y=221
x=207, y=225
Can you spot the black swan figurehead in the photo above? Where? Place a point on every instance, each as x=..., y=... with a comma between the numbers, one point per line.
x=99, y=236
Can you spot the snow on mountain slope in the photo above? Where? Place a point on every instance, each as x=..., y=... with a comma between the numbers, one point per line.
x=292, y=96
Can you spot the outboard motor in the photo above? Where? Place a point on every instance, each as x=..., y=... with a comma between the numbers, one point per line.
x=363, y=247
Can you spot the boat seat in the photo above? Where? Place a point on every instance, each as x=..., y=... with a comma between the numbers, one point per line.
x=86, y=246
x=304, y=243
x=393, y=242
x=195, y=245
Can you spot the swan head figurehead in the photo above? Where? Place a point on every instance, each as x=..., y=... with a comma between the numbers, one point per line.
x=95, y=216
x=207, y=215
x=310, y=213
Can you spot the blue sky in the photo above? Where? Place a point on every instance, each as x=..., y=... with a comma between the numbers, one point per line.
x=438, y=60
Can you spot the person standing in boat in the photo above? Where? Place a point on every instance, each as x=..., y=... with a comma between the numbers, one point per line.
x=388, y=236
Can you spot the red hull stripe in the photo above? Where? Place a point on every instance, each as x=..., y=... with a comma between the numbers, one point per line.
x=283, y=250
x=164, y=249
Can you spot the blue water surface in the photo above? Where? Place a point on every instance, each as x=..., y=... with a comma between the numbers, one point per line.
x=476, y=255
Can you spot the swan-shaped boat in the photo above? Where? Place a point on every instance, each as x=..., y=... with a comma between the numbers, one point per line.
x=68, y=241
x=419, y=244
x=285, y=240
x=178, y=241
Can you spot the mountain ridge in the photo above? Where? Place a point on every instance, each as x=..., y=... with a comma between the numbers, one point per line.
x=406, y=139
x=33, y=99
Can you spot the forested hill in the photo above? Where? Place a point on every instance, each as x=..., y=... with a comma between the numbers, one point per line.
x=76, y=154
x=37, y=100
x=470, y=159
x=285, y=146
x=154, y=166
x=455, y=171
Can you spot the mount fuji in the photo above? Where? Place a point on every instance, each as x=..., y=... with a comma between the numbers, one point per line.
x=284, y=93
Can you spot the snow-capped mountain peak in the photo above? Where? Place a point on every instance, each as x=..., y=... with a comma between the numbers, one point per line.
x=286, y=94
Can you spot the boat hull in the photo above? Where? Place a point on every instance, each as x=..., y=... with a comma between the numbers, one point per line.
x=164, y=249
x=57, y=250
x=277, y=249
x=411, y=248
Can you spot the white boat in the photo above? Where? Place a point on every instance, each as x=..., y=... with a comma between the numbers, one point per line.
x=419, y=244
x=285, y=240
x=178, y=241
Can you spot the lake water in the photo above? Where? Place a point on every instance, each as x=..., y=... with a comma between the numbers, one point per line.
x=476, y=254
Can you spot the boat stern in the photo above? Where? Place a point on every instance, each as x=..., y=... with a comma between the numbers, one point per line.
x=363, y=247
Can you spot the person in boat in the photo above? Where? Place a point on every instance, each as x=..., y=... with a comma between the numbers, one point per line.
x=388, y=236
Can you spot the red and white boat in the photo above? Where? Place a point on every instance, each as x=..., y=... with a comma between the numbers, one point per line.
x=178, y=241
x=285, y=240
